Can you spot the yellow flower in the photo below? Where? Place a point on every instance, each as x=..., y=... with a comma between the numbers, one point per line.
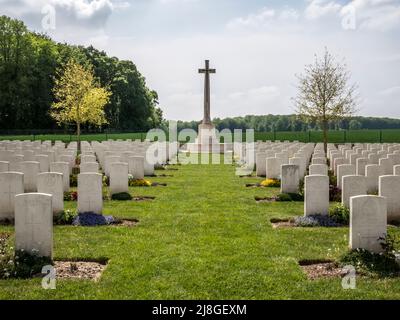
x=274, y=183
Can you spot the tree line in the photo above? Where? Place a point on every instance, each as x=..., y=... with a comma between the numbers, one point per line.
x=28, y=65
x=270, y=123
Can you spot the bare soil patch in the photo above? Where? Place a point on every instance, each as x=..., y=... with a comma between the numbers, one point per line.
x=82, y=270
x=156, y=184
x=4, y=236
x=125, y=222
x=265, y=199
x=317, y=269
x=282, y=223
x=142, y=198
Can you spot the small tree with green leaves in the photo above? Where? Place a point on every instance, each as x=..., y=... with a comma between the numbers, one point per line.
x=324, y=93
x=79, y=97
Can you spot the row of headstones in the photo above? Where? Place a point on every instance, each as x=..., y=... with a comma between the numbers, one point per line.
x=317, y=184
x=270, y=157
x=57, y=182
x=33, y=212
x=34, y=221
x=45, y=154
x=368, y=214
x=107, y=152
x=90, y=185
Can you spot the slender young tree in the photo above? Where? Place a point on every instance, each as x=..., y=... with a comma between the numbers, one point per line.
x=324, y=93
x=79, y=98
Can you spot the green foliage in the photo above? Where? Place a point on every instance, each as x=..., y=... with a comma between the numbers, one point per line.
x=20, y=264
x=106, y=181
x=66, y=217
x=286, y=197
x=28, y=64
x=122, y=196
x=375, y=264
x=283, y=197
x=71, y=196
x=355, y=125
x=340, y=213
x=73, y=180
x=332, y=178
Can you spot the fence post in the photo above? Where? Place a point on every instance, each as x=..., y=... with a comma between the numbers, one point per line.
x=274, y=135
x=344, y=136
x=380, y=136
x=309, y=135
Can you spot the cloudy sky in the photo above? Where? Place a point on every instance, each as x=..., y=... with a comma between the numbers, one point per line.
x=257, y=46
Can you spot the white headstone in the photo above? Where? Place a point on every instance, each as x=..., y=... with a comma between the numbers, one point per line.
x=44, y=162
x=34, y=223
x=318, y=169
x=389, y=187
x=360, y=166
x=90, y=167
x=136, y=167
x=108, y=161
x=316, y=195
x=90, y=192
x=387, y=165
x=88, y=158
x=373, y=172
x=30, y=169
x=353, y=186
x=289, y=178
x=273, y=168
x=64, y=169
x=4, y=166
x=368, y=222
x=318, y=160
x=260, y=164
x=345, y=170
x=119, y=178
x=11, y=184
x=52, y=183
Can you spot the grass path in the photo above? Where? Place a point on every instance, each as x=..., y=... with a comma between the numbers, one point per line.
x=204, y=237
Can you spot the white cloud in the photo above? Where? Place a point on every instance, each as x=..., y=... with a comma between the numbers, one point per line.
x=289, y=14
x=93, y=13
x=256, y=58
x=266, y=19
x=319, y=8
x=379, y=15
x=258, y=19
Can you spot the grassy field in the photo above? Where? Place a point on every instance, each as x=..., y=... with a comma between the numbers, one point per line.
x=204, y=237
x=389, y=135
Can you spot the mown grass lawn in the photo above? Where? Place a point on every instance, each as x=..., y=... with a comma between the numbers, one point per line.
x=204, y=237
